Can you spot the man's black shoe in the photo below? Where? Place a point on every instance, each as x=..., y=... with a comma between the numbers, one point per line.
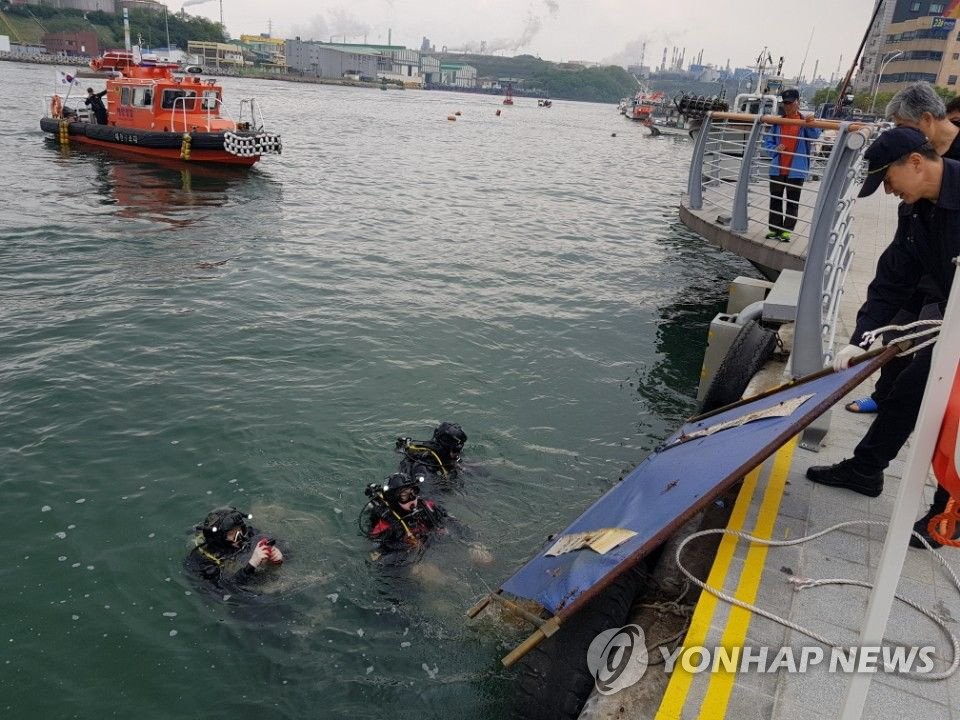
x=844, y=475
x=921, y=527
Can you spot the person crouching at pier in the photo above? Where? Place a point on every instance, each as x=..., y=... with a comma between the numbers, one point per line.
x=926, y=241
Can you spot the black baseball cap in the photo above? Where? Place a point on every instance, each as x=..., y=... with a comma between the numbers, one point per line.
x=886, y=150
x=790, y=94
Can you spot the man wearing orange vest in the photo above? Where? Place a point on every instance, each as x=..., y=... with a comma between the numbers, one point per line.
x=790, y=150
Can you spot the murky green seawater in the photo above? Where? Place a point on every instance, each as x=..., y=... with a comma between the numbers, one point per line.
x=525, y=276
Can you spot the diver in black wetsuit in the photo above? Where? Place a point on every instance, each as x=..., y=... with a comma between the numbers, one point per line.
x=437, y=458
x=229, y=552
x=397, y=519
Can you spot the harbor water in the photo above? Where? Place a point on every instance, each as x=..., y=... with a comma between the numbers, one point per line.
x=174, y=338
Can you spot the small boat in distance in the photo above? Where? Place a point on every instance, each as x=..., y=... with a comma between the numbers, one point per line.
x=643, y=104
x=155, y=111
x=544, y=102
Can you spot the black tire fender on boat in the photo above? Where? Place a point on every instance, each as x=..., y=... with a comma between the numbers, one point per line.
x=751, y=348
x=554, y=681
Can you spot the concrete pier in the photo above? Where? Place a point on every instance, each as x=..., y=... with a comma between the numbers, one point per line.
x=778, y=502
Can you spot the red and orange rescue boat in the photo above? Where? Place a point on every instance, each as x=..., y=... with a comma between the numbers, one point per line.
x=155, y=111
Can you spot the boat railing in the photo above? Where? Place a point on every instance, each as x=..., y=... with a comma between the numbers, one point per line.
x=212, y=108
x=730, y=173
x=250, y=108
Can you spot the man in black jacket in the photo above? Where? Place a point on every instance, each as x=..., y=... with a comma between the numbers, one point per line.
x=95, y=101
x=926, y=241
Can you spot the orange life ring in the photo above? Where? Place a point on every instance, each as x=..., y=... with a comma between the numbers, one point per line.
x=56, y=106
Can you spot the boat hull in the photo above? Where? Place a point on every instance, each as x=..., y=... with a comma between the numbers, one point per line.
x=204, y=147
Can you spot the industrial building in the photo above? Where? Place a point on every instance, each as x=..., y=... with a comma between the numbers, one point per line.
x=216, y=55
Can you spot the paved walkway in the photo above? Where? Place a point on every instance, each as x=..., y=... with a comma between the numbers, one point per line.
x=778, y=501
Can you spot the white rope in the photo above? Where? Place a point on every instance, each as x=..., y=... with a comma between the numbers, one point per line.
x=931, y=332
x=804, y=583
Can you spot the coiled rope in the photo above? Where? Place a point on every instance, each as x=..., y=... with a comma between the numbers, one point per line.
x=804, y=583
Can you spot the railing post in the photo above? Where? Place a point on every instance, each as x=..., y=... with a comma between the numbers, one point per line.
x=739, y=222
x=808, y=355
x=695, y=176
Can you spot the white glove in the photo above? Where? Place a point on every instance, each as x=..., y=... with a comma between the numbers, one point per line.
x=842, y=360
x=261, y=553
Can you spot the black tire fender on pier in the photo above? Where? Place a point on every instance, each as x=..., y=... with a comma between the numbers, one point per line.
x=751, y=348
x=554, y=681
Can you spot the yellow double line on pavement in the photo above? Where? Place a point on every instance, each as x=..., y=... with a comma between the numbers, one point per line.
x=714, y=706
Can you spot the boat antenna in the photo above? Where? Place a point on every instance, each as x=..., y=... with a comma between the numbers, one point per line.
x=805, y=54
x=167, y=26
x=856, y=59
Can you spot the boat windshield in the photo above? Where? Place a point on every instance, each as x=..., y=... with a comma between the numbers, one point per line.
x=170, y=99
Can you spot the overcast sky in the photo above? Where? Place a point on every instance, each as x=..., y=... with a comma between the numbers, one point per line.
x=559, y=30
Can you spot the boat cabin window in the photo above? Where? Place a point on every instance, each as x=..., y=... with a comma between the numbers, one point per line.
x=125, y=94
x=171, y=99
x=143, y=96
x=210, y=99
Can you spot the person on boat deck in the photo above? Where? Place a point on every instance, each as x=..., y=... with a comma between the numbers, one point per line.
x=790, y=149
x=95, y=101
x=926, y=241
x=397, y=519
x=229, y=552
x=437, y=458
x=918, y=106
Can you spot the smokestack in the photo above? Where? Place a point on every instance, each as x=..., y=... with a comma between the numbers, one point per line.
x=126, y=29
x=389, y=36
x=663, y=64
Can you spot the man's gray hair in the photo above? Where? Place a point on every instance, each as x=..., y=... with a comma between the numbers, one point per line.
x=915, y=100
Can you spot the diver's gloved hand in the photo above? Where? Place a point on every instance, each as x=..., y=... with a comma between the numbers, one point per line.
x=274, y=555
x=842, y=360
x=261, y=553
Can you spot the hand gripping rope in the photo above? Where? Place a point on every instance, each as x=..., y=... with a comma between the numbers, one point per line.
x=804, y=583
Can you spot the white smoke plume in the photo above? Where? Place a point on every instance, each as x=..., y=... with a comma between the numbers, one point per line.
x=188, y=3
x=337, y=24
x=552, y=6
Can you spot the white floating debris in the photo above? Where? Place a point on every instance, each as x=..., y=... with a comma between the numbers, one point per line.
x=226, y=597
x=75, y=617
x=75, y=565
x=166, y=579
x=333, y=597
x=405, y=644
x=61, y=534
x=232, y=481
x=428, y=671
x=90, y=567
x=406, y=631
x=71, y=527
x=173, y=633
x=152, y=535
x=174, y=442
x=62, y=558
x=81, y=501
x=46, y=508
x=360, y=632
x=338, y=511
x=369, y=669
x=199, y=464
x=170, y=614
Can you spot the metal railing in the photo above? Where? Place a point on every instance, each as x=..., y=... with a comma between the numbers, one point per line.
x=730, y=171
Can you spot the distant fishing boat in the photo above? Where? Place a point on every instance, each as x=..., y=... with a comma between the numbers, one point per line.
x=155, y=112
